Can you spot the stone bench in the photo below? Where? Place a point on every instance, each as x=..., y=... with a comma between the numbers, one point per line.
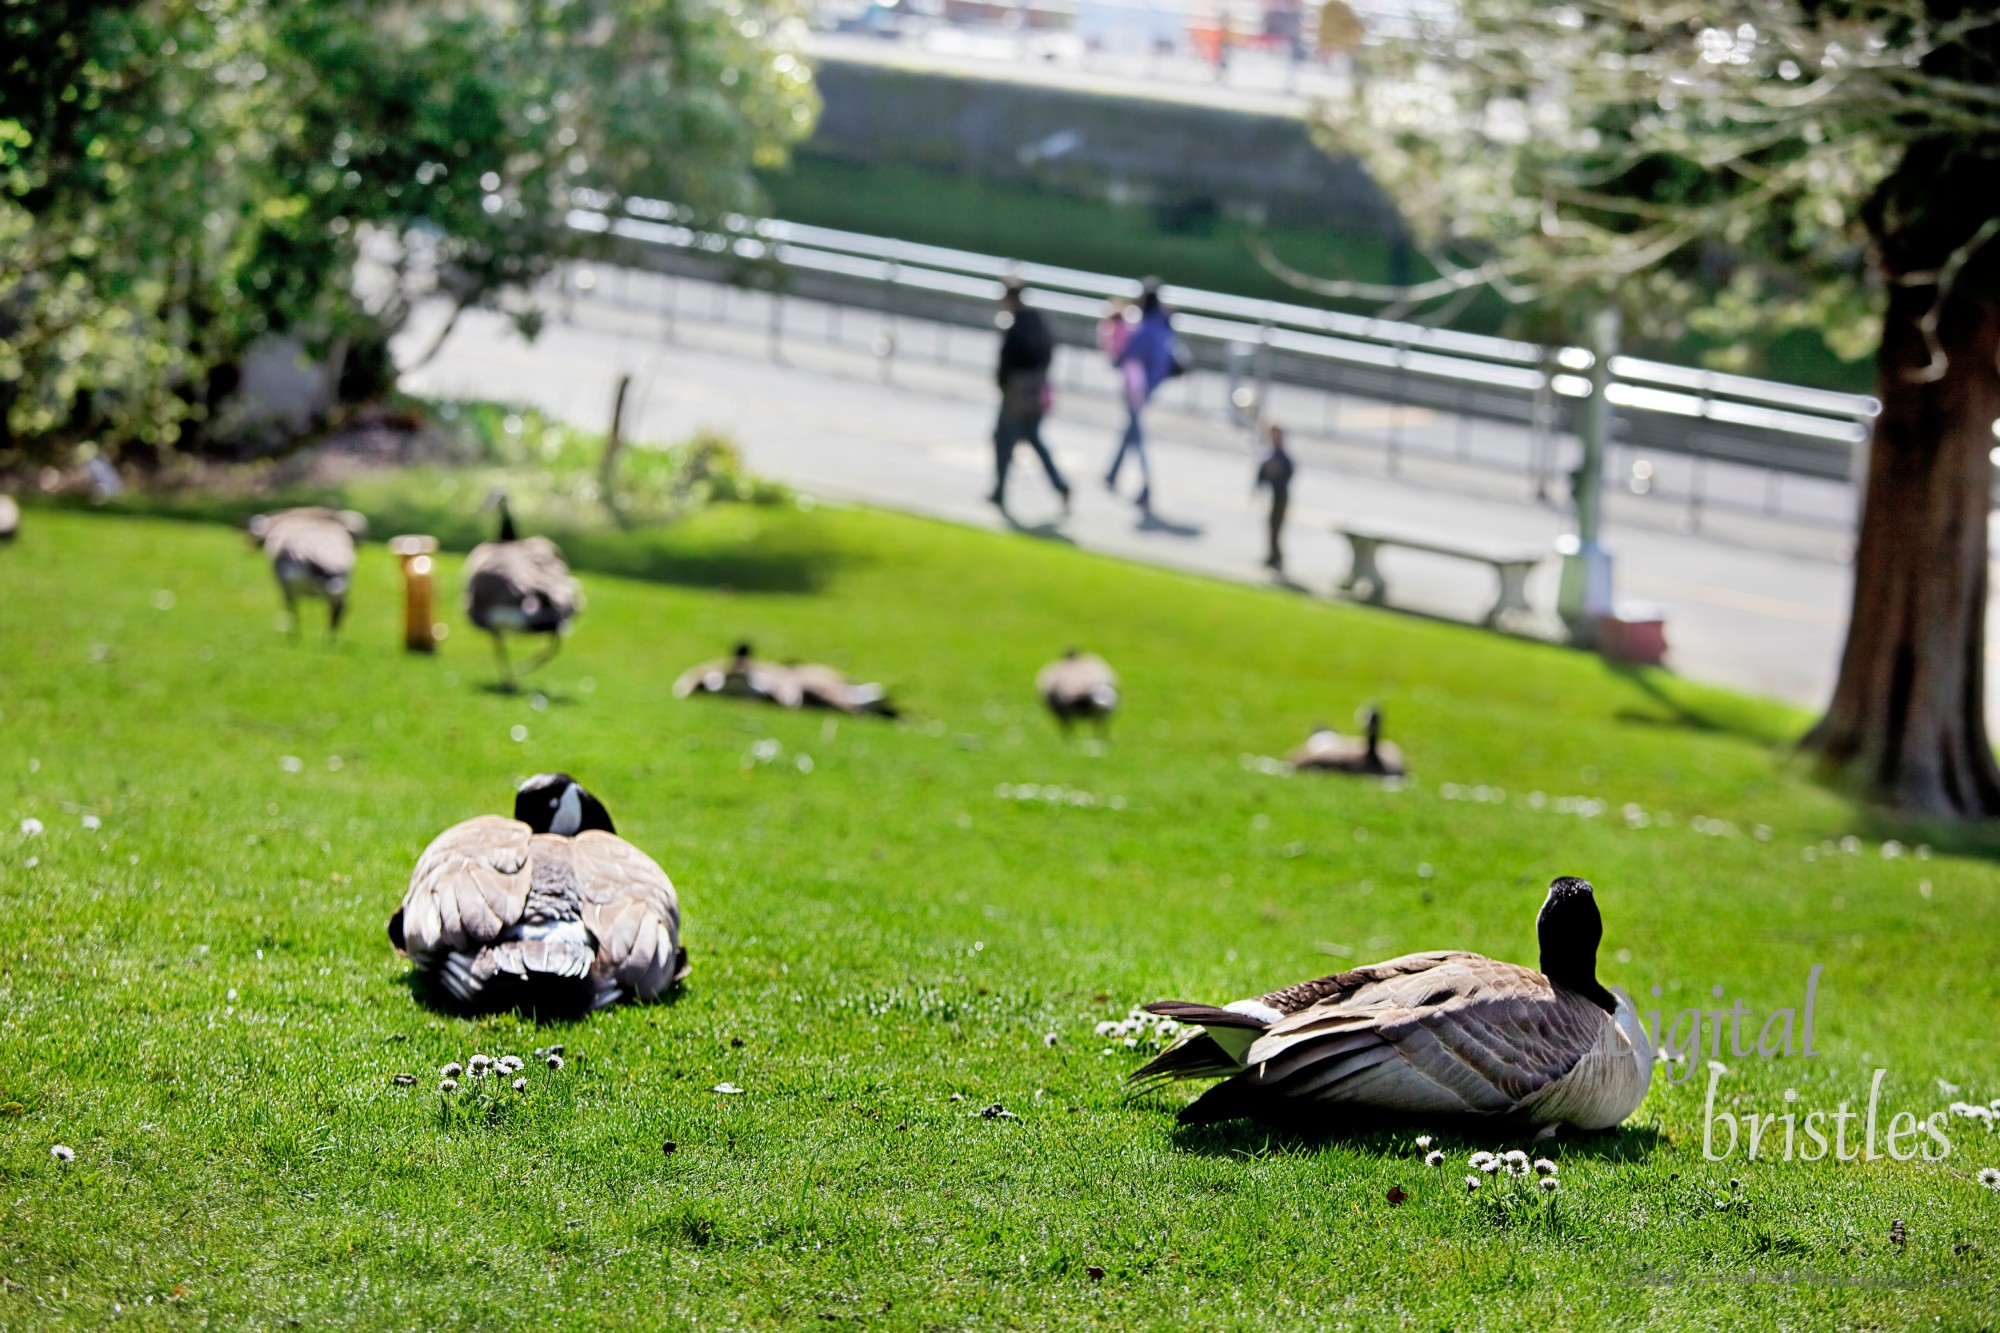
x=1511, y=562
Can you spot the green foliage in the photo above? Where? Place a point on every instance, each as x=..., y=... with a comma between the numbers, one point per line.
x=184, y=178
x=200, y=1002
x=1726, y=168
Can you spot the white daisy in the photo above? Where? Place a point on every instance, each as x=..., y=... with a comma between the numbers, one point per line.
x=1514, y=1155
x=31, y=828
x=1515, y=1168
x=480, y=1063
x=1549, y=1184
x=1472, y=1182
x=447, y=1085
x=62, y=1152
x=1990, y=1177
x=1423, y=1140
x=555, y=1061
x=1544, y=1167
x=520, y=1085
x=1433, y=1158
x=451, y=1070
x=508, y=1064
x=1479, y=1160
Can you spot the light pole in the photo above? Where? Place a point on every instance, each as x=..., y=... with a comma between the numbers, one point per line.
x=1585, y=593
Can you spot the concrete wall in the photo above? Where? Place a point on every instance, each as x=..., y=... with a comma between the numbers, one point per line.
x=1171, y=155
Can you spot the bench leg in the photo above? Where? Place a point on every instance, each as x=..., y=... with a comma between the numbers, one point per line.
x=1363, y=569
x=1513, y=590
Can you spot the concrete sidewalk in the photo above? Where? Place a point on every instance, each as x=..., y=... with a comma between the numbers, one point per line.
x=1763, y=612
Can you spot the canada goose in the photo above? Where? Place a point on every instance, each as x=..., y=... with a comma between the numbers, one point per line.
x=1078, y=685
x=10, y=518
x=519, y=585
x=312, y=553
x=821, y=686
x=549, y=911
x=1432, y=1036
x=1327, y=751
x=742, y=676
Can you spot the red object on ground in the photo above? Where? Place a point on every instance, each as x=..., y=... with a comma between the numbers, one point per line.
x=1635, y=633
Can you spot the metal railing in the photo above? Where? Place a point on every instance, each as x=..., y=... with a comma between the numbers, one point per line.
x=1708, y=423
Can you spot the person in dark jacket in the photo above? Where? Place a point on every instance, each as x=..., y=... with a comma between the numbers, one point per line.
x=1147, y=361
x=1275, y=471
x=1026, y=349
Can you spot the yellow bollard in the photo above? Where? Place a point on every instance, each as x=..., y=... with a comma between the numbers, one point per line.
x=421, y=632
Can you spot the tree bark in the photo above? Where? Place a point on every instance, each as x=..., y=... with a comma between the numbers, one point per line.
x=1907, y=724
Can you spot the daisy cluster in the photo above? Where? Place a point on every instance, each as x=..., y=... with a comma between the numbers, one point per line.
x=1508, y=1170
x=1988, y=1115
x=1055, y=793
x=483, y=1074
x=1139, y=1031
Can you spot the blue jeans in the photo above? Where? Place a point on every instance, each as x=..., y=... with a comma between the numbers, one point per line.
x=1134, y=440
x=1015, y=428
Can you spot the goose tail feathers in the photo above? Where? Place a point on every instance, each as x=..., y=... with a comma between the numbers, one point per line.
x=1199, y=1056
x=545, y=975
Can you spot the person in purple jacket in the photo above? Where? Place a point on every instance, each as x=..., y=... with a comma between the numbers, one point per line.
x=1147, y=361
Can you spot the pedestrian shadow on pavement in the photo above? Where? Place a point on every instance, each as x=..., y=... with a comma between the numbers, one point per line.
x=1150, y=521
x=1047, y=532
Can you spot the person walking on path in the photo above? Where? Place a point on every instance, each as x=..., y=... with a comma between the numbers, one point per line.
x=1026, y=349
x=1275, y=471
x=1147, y=361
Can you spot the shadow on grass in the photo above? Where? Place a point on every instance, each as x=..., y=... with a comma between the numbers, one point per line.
x=1458, y=1139
x=1696, y=708
x=772, y=550
x=428, y=991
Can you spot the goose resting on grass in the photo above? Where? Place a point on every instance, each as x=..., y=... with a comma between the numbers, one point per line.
x=1327, y=751
x=519, y=585
x=549, y=911
x=312, y=553
x=821, y=686
x=1446, y=1037
x=804, y=685
x=1078, y=685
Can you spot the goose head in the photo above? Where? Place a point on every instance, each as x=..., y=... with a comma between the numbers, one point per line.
x=1371, y=724
x=742, y=655
x=557, y=803
x=1570, y=929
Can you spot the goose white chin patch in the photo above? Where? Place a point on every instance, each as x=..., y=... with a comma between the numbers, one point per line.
x=569, y=813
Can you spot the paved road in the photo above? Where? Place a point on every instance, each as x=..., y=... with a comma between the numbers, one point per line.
x=1758, y=606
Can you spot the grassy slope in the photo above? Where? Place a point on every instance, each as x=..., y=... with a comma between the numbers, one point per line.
x=884, y=934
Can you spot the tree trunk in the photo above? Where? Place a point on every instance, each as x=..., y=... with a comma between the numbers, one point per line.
x=1907, y=724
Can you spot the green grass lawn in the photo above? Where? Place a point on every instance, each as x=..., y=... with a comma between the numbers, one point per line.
x=197, y=996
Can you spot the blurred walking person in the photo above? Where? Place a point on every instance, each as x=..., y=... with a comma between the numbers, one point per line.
x=1274, y=470
x=1026, y=349
x=1147, y=359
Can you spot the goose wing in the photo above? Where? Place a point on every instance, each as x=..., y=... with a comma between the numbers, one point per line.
x=1071, y=680
x=820, y=686
x=320, y=540
x=708, y=678
x=470, y=884
x=1462, y=1035
x=1327, y=749
x=630, y=908
x=529, y=574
